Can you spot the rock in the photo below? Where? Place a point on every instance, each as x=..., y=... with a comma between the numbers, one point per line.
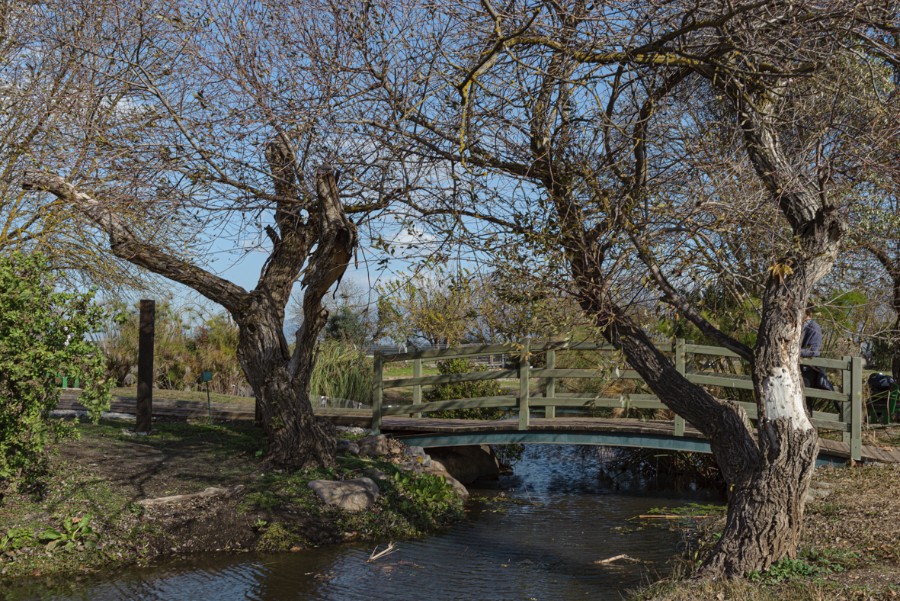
x=437, y=469
x=374, y=446
x=417, y=455
x=376, y=474
x=819, y=490
x=467, y=464
x=354, y=495
x=347, y=446
x=352, y=430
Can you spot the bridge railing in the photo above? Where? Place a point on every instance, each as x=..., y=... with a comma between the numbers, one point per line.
x=541, y=391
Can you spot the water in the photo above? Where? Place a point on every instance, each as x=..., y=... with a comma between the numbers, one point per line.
x=539, y=539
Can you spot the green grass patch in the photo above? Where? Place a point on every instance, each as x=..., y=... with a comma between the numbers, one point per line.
x=130, y=394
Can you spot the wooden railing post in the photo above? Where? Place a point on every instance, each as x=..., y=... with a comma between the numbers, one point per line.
x=378, y=391
x=524, y=389
x=847, y=389
x=680, y=368
x=550, y=389
x=856, y=415
x=417, y=390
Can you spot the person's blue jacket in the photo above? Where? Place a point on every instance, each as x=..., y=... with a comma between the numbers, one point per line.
x=811, y=339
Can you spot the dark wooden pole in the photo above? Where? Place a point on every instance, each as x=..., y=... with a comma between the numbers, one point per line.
x=145, y=367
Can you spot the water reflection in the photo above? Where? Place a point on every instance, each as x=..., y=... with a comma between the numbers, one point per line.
x=540, y=539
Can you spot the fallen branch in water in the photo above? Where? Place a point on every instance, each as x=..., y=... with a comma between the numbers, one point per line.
x=623, y=556
x=376, y=555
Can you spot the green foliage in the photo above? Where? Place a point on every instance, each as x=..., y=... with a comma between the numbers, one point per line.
x=439, y=308
x=347, y=326
x=182, y=351
x=341, y=372
x=75, y=532
x=464, y=390
x=792, y=569
x=423, y=498
x=16, y=538
x=278, y=537
x=736, y=315
x=410, y=504
x=42, y=332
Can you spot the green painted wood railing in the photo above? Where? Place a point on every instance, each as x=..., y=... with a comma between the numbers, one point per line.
x=538, y=389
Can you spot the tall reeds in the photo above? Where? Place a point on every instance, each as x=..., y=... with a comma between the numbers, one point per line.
x=342, y=373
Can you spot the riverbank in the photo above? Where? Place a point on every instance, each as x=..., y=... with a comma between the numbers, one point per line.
x=112, y=499
x=850, y=548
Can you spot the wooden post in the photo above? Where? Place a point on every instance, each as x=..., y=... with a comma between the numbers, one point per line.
x=680, y=368
x=146, y=335
x=417, y=389
x=550, y=390
x=377, y=392
x=846, y=388
x=856, y=416
x=524, y=390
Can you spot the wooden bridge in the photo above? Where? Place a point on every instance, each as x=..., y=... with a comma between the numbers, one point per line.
x=542, y=399
x=542, y=402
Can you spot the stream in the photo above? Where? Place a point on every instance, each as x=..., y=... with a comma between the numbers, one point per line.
x=536, y=535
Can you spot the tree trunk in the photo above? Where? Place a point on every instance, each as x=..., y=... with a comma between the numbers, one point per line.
x=765, y=511
x=280, y=381
x=297, y=438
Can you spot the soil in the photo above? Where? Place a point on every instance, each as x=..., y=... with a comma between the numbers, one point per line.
x=143, y=468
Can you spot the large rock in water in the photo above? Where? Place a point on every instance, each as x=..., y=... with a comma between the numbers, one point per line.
x=350, y=495
x=467, y=464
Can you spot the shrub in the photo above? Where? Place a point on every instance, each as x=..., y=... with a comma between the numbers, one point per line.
x=43, y=333
x=464, y=390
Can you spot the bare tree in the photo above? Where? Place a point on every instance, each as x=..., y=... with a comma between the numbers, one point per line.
x=574, y=108
x=38, y=88
x=211, y=131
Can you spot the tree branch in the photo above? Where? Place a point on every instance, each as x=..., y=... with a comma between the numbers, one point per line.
x=126, y=245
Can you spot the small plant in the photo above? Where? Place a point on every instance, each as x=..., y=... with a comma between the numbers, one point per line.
x=76, y=532
x=788, y=569
x=16, y=538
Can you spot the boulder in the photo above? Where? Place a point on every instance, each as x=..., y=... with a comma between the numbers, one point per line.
x=417, y=455
x=435, y=467
x=374, y=446
x=467, y=464
x=347, y=446
x=354, y=495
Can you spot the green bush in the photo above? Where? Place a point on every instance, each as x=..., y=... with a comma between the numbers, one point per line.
x=464, y=390
x=43, y=333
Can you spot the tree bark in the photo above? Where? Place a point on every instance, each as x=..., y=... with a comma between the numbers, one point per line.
x=296, y=437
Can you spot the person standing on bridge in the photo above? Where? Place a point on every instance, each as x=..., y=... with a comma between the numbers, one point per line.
x=811, y=346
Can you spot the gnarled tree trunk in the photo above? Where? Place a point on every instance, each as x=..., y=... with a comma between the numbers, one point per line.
x=322, y=243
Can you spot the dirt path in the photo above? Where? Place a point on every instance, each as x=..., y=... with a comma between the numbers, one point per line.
x=165, y=464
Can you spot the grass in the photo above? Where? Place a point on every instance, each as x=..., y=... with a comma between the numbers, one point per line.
x=848, y=552
x=130, y=394
x=404, y=369
x=87, y=502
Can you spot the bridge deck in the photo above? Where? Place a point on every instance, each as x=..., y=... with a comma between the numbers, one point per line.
x=409, y=426
x=405, y=426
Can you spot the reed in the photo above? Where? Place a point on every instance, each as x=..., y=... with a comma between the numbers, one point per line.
x=342, y=373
